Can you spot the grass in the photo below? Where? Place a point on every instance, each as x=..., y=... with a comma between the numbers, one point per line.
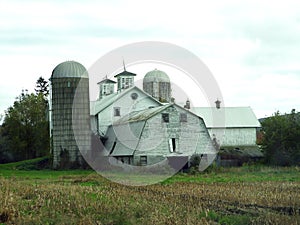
x=245, y=195
x=240, y=174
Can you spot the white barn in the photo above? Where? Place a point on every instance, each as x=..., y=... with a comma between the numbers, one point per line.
x=138, y=129
x=109, y=109
x=234, y=130
x=231, y=126
x=149, y=136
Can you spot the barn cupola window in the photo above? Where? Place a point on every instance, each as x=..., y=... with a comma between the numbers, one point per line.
x=125, y=79
x=106, y=87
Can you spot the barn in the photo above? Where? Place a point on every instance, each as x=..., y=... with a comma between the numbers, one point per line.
x=111, y=108
x=149, y=136
x=234, y=129
x=142, y=127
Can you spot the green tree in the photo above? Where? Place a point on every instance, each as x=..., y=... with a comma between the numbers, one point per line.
x=281, y=139
x=25, y=131
x=42, y=87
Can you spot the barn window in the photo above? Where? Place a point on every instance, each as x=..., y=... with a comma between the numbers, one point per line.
x=165, y=117
x=143, y=160
x=183, y=117
x=172, y=144
x=117, y=111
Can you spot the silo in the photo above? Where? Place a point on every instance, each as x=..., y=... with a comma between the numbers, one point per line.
x=157, y=84
x=69, y=79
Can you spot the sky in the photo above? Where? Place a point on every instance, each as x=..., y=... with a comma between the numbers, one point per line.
x=251, y=47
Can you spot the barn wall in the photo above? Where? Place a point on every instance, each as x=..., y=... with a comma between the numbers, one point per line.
x=234, y=136
x=127, y=105
x=191, y=136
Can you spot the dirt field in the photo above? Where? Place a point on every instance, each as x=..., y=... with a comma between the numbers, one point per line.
x=267, y=196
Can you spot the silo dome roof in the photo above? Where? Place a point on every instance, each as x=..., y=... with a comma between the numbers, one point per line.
x=69, y=69
x=156, y=76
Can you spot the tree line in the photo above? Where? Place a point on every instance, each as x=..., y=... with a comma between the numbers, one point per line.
x=24, y=133
x=281, y=139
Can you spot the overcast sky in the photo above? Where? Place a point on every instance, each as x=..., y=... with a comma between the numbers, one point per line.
x=251, y=47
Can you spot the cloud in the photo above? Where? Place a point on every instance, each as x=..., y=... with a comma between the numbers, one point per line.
x=241, y=42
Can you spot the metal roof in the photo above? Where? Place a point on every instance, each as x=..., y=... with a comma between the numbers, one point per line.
x=69, y=69
x=141, y=115
x=99, y=105
x=227, y=116
x=156, y=76
x=125, y=73
x=106, y=80
x=122, y=150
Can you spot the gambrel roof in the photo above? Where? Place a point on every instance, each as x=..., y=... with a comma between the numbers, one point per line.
x=145, y=114
x=141, y=115
x=228, y=117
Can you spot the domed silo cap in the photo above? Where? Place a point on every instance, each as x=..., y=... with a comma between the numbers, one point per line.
x=156, y=76
x=69, y=69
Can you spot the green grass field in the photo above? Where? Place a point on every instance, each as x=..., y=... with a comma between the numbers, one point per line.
x=245, y=195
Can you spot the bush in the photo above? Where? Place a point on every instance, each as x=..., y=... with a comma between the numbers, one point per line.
x=281, y=142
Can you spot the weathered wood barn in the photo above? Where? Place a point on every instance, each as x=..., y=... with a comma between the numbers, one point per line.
x=234, y=129
x=112, y=107
x=151, y=135
x=141, y=128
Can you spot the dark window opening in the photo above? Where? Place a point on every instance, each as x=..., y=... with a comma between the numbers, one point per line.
x=117, y=111
x=143, y=160
x=172, y=144
x=165, y=117
x=183, y=117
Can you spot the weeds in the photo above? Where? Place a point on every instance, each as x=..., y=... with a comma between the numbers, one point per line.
x=90, y=199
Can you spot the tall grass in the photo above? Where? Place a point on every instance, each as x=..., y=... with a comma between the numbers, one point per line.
x=90, y=199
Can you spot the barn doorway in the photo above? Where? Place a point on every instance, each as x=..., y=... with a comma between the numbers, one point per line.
x=172, y=144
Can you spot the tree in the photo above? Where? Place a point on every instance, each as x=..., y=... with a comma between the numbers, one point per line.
x=281, y=139
x=42, y=87
x=25, y=130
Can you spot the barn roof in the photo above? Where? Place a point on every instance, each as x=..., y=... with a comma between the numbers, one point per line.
x=122, y=150
x=141, y=115
x=106, y=80
x=227, y=117
x=125, y=73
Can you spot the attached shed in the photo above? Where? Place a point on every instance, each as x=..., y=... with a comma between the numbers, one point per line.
x=148, y=136
x=233, y=129
x=230, y=126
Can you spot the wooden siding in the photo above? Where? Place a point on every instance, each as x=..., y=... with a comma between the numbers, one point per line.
x=234, y=136
x=126, y=105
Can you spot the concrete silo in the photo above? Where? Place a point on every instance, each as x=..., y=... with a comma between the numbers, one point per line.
x=157, y=84
x=69, y=82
